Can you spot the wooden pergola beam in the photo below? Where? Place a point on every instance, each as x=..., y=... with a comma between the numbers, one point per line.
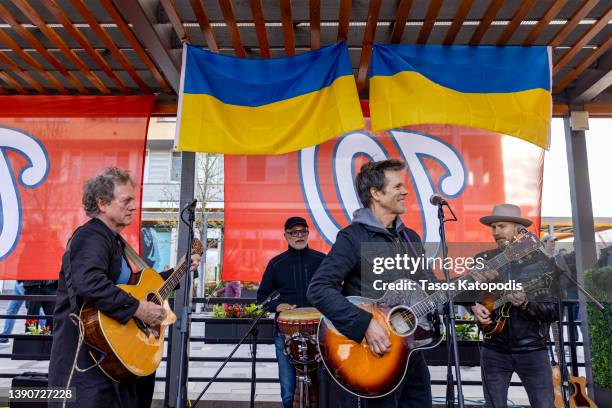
x=230, y=19
x=57, y=12
x=401, y=16
x=430, y=20
x=10, y=81
x=515, y=22
x=366, y=49
x=583, y=40
x=551, y=13
x=287, y=21
x=99, y=31
x=572, y=23
x=315, y=24
x=27, y=36
x=486, y=21
x=344, y=18
x=52, y=36
x=260, y=28
x=29, y=79
x=207, y=31
x=453, y=30
x=587, y=62
x=175, y=20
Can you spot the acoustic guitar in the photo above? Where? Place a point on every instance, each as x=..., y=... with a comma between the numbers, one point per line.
x=411, y=320
x=133, y=349
x=499, y=304
x=578, y=397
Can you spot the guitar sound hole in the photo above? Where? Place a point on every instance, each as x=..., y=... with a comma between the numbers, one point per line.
x=402, y=321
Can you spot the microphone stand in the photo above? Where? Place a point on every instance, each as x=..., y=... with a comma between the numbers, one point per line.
x=185, y=319
x=252, y=331
x=449, y=317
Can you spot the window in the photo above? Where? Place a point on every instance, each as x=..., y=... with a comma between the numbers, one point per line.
x=175, y=167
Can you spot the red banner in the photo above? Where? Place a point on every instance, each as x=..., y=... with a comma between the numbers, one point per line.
x=50, y=146
x=473, y=169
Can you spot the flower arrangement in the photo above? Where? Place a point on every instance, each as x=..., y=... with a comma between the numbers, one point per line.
x=33, y=327
x=236, y=311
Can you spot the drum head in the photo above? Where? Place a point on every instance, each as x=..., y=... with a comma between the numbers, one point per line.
x=300, y=314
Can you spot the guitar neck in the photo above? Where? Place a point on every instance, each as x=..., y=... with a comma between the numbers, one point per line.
x=526, y=288
x=173, y=281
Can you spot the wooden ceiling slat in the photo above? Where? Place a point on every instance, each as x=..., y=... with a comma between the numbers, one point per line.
x=573, y=22
x=99, y=31
x=287, y=21
x=430, y=20
x=52, y=36
x=583, y=40
x=368, y=37
x=13, y=83
x=551, y=13
x=453, y=30
x=230, y=19
x=26, y=76
x=401, y=16
x=486, y=21
x=315, y=24
x=175, y=20
x=344, y=19
x=592, y=57
x=260, y=28
x=57, y=12
x=136, y=46
x=27, y=58
x=202, y=17
x=515, y=22
x=27, y=36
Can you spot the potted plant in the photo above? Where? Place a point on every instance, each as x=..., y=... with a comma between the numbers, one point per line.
x=599, y=284
x=229, y=323
x=35, y=344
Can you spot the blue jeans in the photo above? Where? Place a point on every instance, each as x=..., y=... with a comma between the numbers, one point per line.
x=13, y=308
x=286, y=372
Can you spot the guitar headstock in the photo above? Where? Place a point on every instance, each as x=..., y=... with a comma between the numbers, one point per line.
x=524, y=244
x=196, y=247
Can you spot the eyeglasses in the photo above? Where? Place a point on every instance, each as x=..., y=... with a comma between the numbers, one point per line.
x=297, y=233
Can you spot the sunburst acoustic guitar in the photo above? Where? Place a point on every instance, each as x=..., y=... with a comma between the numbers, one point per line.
x=133, y=349
x=412, y=322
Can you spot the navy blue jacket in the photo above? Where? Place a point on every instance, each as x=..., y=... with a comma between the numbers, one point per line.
x=289, y=273
x=341, y=274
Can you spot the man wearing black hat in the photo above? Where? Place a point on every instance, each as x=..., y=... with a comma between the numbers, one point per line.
x=289, y=273
x=521, y=346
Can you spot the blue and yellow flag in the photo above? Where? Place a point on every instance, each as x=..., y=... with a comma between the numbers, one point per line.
x=265, y=106
x=503, y=89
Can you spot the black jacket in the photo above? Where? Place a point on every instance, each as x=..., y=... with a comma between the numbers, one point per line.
x=95, y=257
x=340, y=273
x=289, y=273
x=526, y=329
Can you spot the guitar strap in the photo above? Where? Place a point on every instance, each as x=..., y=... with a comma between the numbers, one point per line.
x=132, y=255
x=68, y=276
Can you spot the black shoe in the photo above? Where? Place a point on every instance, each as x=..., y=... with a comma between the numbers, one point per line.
x=4, y=341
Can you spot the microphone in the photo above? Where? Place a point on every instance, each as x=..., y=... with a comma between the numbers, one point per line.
x=191, y=206
x=273, y=296
x=436, y=199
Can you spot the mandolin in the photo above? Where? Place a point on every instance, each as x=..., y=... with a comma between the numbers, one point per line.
x=133, y=349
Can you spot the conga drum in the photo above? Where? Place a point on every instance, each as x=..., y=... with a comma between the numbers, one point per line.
x=299, y=327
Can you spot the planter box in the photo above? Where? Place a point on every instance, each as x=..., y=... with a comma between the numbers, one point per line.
x=469, y=354
x=32, y=347
x=230, y=331
x=603, y=397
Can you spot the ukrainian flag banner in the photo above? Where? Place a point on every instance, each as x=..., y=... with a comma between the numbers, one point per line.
x=265, y=106
x=503, y=89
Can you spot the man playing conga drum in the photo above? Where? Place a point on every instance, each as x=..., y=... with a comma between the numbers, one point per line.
x=289, y=273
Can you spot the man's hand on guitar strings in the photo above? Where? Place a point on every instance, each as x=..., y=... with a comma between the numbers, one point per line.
x=377, y=338
x=195, y=262
x=481, y=314
x=150, y=313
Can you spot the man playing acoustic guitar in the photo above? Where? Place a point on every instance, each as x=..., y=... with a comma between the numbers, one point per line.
x=93, y=264
x=520, y=346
